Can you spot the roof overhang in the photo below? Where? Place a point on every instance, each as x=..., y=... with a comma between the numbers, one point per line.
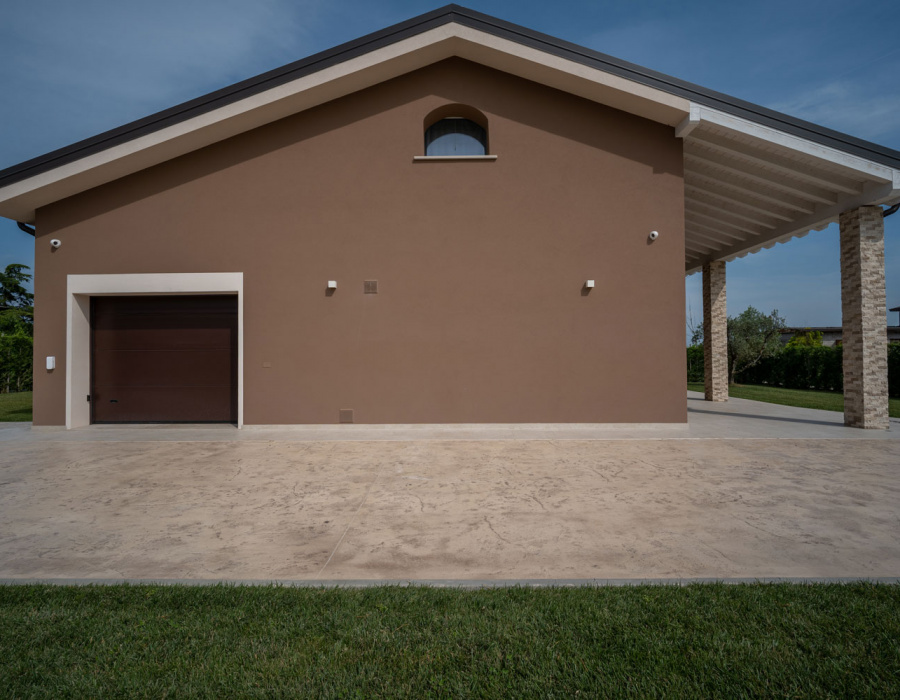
x=20, y=199
x=749, y=186
x=753, y=177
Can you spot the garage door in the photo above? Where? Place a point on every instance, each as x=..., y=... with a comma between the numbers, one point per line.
x=168, y=359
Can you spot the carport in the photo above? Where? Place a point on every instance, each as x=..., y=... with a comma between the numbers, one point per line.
x=752, y=184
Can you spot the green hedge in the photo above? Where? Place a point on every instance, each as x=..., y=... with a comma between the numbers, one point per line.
x=695, y=371
x=799, y=367
x=894, y=369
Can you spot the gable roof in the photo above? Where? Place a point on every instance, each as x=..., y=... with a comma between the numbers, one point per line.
x=753, y=176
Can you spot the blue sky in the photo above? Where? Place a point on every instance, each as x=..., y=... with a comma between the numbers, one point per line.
x=69, y=70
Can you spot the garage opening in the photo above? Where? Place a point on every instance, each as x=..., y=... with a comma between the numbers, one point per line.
x=164, y=359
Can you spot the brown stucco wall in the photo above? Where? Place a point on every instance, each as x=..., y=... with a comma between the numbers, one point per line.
x=480, y=315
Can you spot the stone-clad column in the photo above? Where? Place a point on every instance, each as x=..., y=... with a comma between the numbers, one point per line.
x=864, y=325
x=715, y=332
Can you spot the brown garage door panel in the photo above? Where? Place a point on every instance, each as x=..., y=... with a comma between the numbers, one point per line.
x=173, y=306
x=187, y=338
x=201, y=404
x=161, y=368
x=164, y=359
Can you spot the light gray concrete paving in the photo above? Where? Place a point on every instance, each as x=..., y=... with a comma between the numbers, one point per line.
x=740, y=418
x=736, y=418
x=747, y=490
x=441, y=583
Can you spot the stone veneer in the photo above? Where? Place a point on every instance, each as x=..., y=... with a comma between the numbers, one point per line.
x=715, y=332
x=863, y=309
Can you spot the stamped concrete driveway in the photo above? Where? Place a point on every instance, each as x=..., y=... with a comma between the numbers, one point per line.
x=217, y=503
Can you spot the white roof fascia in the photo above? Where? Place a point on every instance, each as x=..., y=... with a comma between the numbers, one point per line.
x=231, y=119
x=871, y=169
x=690, y=122
x=20, y=199
x=571, y=76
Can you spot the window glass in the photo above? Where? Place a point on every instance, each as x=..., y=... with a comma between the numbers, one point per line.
x=455, y=136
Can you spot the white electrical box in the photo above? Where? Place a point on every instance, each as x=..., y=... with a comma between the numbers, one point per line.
x=589, y=284
x=332, y=284
x=51, y=362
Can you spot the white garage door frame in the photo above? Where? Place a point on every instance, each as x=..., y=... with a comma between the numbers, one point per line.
x=80, y=289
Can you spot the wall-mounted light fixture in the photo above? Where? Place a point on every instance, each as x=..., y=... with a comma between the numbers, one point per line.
x=589, y=284
x=51, y=363
x=332, y=284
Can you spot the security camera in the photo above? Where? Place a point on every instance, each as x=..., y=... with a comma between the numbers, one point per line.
x=654, y=235
x=55, y=243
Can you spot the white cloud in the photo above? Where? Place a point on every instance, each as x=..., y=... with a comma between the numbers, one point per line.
x=78, y=68
x=848, y=107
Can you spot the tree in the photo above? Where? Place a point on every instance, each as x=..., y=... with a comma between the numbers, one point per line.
x=16, y=329
x=12, y=291
x=694, y=329
x=806, y=339
x=752, y=336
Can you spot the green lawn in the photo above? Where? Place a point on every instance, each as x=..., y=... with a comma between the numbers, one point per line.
x=705, y=640
x=15, y=407
x=825, y=400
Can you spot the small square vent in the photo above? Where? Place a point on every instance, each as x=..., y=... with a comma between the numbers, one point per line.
x=370, y=287
x=346, y=415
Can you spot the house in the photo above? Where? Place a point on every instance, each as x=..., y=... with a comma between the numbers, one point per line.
x=435, y=223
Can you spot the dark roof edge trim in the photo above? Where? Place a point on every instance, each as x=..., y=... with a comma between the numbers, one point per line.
x=223, y=97
x=422, y=23
x=682, y=88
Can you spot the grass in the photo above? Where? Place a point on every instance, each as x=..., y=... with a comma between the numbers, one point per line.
x=824, y=400
x=15, y=407
x=705, y=640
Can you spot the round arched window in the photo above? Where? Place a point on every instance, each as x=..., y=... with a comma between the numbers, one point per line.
x=455, y=136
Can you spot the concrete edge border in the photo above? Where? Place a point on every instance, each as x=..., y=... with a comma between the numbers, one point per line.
x=448, y=583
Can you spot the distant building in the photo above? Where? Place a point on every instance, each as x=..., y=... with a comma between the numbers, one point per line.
x=831, y=335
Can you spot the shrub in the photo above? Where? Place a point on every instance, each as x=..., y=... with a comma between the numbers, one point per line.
x=695, y=371
x=894, y=369
x=799, y=367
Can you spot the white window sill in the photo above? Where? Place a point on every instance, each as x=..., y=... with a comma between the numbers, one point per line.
x=427, y=158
